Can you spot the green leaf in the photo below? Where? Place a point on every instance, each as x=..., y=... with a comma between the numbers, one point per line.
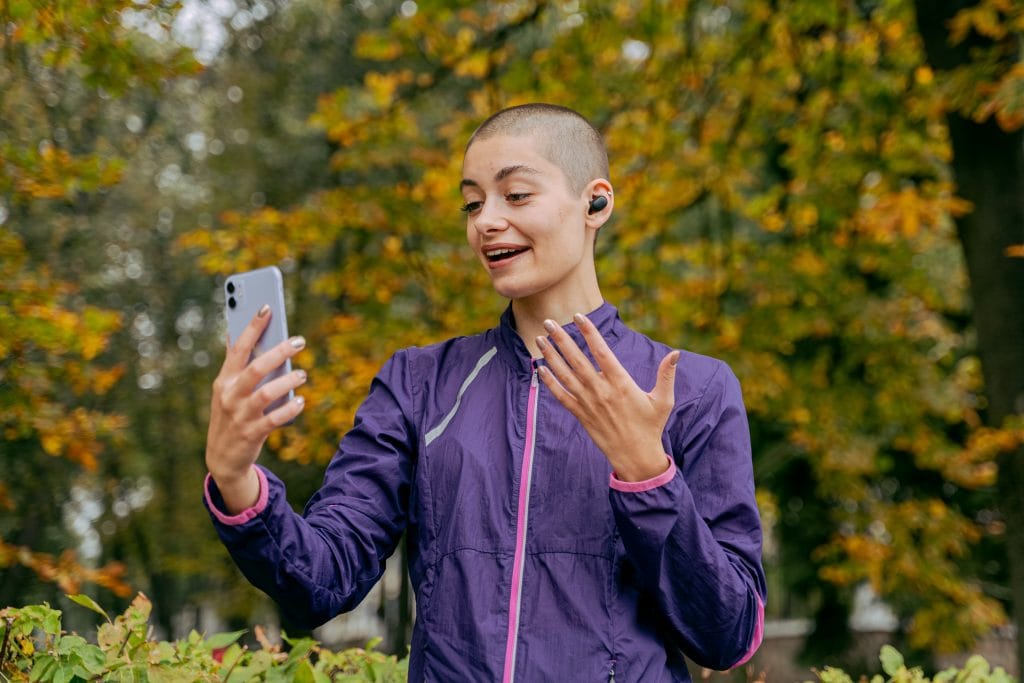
x=220, y=640
x=892, y=660
x=300, y=648
x=305, y=673
x=63, y=674
x=976, y=665
x=93, y=659
x=89, y=603
x=44, y=617
x=43, y=668
x=70, y=645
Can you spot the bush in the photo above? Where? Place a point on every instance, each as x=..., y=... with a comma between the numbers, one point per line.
x=976, y=670
x=34, y=648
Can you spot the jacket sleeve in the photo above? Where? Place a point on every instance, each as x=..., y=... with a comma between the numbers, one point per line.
x=324, y=562
x=694, y=533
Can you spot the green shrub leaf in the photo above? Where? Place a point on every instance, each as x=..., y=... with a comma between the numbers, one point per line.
x=89, y=603
x=892, y=660
x=220, y=640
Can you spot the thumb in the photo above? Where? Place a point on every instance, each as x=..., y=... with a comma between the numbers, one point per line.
x=664, y=391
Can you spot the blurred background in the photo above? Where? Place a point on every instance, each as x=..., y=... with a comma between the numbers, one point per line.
x=827, y=194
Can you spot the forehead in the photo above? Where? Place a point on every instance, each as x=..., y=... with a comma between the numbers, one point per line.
x=494, y=158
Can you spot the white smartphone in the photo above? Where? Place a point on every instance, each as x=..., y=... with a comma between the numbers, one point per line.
x=244, y=295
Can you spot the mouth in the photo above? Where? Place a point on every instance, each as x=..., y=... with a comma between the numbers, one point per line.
x=503, y=254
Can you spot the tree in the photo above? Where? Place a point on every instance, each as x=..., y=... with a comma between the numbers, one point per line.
x=975, y=46
x=63, y=70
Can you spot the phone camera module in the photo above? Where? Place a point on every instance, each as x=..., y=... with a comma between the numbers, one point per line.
x=231, y=287
x=232, y=303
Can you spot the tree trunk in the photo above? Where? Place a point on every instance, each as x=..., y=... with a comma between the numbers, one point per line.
x=989, y=167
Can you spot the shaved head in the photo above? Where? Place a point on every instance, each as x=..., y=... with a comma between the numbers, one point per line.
x=563, y=137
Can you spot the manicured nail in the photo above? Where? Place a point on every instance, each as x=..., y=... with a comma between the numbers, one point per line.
x=299, y=401
x=550, y=325
x=298, y=342
x=580, y=318
x=301, y=375
x=542, y=343
x=263, y=311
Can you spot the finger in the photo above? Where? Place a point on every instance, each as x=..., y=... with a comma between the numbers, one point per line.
x=560, y=392
x=267, y=362
x=664, y=392
x=238, y=353
x=283, y=415
x=575, y=358
x=603, y=355
x=273, y=390
x=558, y=368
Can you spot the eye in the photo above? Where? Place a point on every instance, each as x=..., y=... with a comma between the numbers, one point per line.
x=470, y=207
x=516, y=197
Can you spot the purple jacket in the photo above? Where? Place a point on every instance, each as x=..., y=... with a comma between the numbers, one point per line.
x=530, y=561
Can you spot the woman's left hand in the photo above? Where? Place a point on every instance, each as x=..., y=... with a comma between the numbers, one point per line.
x=624, y=421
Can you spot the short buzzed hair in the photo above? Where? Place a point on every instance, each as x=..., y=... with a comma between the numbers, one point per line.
x=564, y=137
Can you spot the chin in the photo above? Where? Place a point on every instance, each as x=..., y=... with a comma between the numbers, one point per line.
x=512, y=290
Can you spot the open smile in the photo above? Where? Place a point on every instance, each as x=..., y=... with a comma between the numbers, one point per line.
x=498, y=256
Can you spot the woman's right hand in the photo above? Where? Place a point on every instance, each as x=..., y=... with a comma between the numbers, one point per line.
x=238, y=427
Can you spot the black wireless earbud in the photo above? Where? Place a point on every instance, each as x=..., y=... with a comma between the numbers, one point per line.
x=598, y=203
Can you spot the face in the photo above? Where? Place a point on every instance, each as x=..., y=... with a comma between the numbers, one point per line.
x=530, y=232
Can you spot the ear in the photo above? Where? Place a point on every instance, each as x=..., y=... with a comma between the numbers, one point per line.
x=598, y=202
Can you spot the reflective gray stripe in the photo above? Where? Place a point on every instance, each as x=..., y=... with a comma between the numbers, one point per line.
x=436, y=431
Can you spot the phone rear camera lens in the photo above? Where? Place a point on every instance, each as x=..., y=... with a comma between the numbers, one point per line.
x=231, y=302
x=231, y=288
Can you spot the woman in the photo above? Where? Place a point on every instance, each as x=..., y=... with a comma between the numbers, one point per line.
x=562, y=523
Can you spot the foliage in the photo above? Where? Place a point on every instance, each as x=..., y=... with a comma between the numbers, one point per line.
x=35, y=647
x=783, y=201
x=975, y=670
x=60, y=61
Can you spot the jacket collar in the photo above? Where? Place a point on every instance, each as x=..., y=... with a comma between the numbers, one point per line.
x=513, y=351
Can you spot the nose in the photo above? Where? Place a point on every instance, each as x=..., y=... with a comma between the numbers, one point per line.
x=490, y=218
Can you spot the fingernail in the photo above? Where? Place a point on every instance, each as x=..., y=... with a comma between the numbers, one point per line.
x=298, y=342
x=263, y=310
x=301, y=375
x=541, y=343
x=550, y=325
x=579, y=318
x=299, y=401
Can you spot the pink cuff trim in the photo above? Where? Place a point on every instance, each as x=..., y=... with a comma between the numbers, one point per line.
x=758, y=634
x=646, y=485
x=245, y=515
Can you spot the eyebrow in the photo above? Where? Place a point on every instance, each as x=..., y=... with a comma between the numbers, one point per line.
x=502, y=174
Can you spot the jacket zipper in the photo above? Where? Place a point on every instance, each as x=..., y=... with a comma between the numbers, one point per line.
x=522, y=517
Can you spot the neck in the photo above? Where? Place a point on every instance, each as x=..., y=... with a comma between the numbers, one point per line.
x=531, y=312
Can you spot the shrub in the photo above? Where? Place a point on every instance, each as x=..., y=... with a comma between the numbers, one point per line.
x=33, y=647
x=976, y=670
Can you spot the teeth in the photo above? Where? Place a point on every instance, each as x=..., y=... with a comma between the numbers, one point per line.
x=502, y=252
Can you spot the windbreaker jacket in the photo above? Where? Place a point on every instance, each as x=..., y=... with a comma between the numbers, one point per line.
x=530, y=561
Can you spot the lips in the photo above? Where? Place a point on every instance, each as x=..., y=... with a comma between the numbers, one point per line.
x=500, y=253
